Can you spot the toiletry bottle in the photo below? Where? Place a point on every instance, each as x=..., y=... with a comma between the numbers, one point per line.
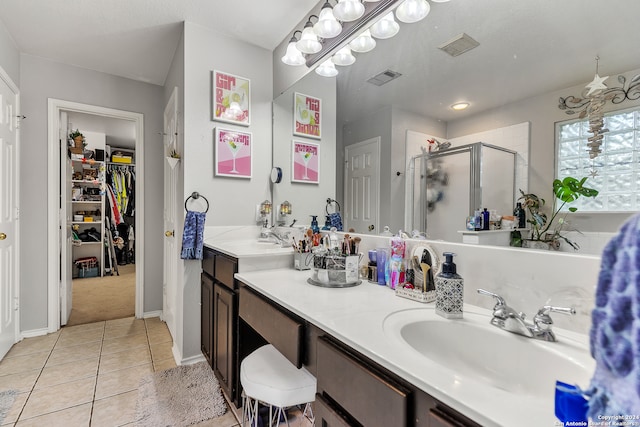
x=314, y=224
x=485, y=219
x=327, y=224
x=477, y=220
x=521, y=218
x=449, y=290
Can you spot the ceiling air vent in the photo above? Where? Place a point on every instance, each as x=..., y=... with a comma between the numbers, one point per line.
x=459, y=45
x=384, y=77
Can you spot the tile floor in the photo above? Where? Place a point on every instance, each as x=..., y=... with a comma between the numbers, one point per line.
x=87, y=375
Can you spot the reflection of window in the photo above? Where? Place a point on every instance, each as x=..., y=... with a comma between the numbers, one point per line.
x=618, y=166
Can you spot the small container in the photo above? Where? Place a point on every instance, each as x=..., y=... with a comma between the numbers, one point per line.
x=302, y=261
x=381, y=264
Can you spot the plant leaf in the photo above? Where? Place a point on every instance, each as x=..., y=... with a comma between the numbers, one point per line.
x=573, y=209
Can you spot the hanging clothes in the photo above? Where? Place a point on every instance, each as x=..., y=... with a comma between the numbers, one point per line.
x=121, y=180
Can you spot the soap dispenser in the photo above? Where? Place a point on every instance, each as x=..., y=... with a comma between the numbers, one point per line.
x=449, y=290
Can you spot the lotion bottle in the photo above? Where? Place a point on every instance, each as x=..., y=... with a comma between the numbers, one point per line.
x=449, y=290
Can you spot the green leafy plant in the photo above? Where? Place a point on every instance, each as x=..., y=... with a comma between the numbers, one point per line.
x=75, y=134
x=550, y=230
x=174, y=154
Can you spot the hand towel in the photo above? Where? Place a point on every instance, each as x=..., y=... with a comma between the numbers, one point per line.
x=336, y=220
x=615, y=328
x=193, y=235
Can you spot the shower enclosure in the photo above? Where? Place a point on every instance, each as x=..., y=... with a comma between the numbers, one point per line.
x=445, y=187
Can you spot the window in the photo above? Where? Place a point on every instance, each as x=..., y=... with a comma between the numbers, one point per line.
x=618, y=166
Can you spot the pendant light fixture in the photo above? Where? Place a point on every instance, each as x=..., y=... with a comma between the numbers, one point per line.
x=327, y=26
x=293, y=56
x=309, y=40
x=385, y=28
x=411, y=11
x=348, y=10
x=327, y=69
x=344, y=57
x=363, y=43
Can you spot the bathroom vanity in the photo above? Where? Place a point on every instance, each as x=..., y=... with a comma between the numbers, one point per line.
x=380, y=359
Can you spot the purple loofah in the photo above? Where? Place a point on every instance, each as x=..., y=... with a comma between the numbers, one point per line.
x=615, y=330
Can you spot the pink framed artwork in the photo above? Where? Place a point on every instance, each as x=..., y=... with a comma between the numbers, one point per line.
x=305, y=162
x=233, y=153
x=231, y=98
x=307, y=115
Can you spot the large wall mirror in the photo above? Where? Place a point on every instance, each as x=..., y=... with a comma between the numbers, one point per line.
x=529, y=55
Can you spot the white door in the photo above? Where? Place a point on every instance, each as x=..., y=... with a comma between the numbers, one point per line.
x=362, y=186
x=8, y=214
x=66, y=233
x=171, y=258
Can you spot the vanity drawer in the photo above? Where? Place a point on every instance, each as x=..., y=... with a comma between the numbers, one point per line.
x=208, y=257
x=225, y=268
x=326, y=416
x=360, y=389
x=285, y=332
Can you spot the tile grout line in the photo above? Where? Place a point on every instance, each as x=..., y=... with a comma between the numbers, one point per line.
x=95, y=385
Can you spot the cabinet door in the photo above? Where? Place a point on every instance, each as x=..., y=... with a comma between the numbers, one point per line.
x=223, y=349
x=206, y=317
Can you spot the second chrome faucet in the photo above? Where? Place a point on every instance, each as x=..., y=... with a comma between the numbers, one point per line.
x=505, y=317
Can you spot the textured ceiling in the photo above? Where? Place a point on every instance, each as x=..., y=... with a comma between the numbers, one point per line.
x=137, y=38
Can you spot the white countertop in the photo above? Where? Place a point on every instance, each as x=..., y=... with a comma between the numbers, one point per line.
x=356, y=315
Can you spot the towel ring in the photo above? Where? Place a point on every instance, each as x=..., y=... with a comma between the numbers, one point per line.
x=195, y=195
x=329, y=202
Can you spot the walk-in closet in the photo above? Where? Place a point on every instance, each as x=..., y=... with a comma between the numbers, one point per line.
x=102, y=175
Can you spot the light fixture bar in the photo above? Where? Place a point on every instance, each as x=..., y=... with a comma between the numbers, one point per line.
x=372, y=11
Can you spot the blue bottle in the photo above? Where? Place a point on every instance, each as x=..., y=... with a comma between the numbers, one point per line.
x=314, y=224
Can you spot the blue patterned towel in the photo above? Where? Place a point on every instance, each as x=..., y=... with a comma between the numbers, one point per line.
x=193, y=235
x=336, y=220
x=615, y=329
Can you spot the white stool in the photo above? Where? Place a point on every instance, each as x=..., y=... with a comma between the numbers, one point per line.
x=268, y=377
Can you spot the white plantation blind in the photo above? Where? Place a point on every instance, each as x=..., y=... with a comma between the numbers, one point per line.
x=618, y=166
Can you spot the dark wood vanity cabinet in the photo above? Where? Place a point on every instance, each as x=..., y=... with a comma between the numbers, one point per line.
x=219, y=319
x=352, y=389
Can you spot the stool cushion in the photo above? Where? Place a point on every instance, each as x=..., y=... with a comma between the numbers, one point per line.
x=268, y=376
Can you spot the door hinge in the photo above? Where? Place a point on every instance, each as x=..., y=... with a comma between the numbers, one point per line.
x=16, y=304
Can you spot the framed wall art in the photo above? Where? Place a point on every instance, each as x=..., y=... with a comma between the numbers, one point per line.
x=305, y=162
x=233, y=153
x=231, y=98
x=307, y=115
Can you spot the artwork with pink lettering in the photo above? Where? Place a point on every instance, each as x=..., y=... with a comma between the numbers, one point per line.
x=307, y=115
x=234, y=153
x=231, y=98
x=305, y=162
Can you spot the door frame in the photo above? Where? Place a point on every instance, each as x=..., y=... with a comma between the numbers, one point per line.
x=377, y=142
x=55, y=106
x=4, y=76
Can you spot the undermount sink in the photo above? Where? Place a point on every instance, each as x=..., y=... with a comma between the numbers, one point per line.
x=472, y=348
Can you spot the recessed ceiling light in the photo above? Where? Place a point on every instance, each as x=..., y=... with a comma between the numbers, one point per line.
x=460, y=105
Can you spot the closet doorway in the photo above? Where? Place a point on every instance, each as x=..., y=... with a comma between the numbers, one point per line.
x=100, y=234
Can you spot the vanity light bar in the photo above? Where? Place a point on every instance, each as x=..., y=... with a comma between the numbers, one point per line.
x=372, y=12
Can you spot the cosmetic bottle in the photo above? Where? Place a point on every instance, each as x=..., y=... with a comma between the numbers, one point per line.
x=314, y=224
x=521, y=218
x=485, y=219
x=449, y=290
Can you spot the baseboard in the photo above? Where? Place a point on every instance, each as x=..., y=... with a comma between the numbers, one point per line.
x=34, y=333
x=148, y=314
x=188, y=360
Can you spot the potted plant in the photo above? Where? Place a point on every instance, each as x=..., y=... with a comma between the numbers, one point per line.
x=78, y=142
x=550, y=232
x=173, y=158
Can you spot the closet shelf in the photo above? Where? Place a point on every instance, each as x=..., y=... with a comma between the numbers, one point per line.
x=87, y=201
x=120, y=164
x=82, y=181
x=86, y=222
x=77, y=243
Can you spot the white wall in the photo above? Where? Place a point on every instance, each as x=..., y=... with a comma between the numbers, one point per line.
x=542, y=112
x=232, y=201
x=9, y=55
x=306, y=199
x=42, y=79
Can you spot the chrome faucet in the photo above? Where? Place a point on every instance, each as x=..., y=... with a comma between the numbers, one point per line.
x=272, y=234
x=505, y=317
